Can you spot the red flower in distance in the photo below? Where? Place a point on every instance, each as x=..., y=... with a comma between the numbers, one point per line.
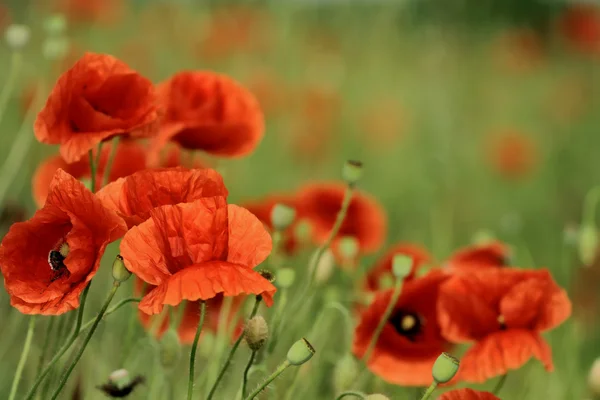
x=209, y=112
x=99, y=97
x=40, y=281
x=468, y=394
x=365, y=219
x=503, y=311
x=419, y=255
x=513, y=155
x=130, y=157
x=494, y=254
x=411, y=340
x=581, y=27
x=135, y=196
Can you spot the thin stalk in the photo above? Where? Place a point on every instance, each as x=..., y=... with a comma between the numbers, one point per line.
x=246, y=370
x=16, y=59
x=282, y=367
x=429, y=390
x=500, y=384
x=93, y=166
x=23, y=360
x=111, y=310
x=360, y=395
x=87, y=339
x=194, y=347
x=46, y=345
x=111, y=159
x=232, y=353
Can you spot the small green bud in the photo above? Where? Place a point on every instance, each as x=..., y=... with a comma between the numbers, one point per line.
x=170, y=349
x=352, y=172
x=349, y=247
x=55, y=25
x=345, y=373
x=386, y=281
x=256, y=332
x=119, y=270
x=444, y=368
x=303, y=231
x=300, y=352
x=286, y=277
x=282, y=216
x=17, y=36
x=588, y=244
x=325, y=267
x=401, y=266
x=377, y=396
x=55, y=48
x=64, y=249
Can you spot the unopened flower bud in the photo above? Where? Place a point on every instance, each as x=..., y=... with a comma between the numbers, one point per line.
x=119, y=271
x=325, y=267
x=377, y=396
x=300, y=352
x=256, y=332
x=588, y=244
x=55, y=25
x=303, y=231
x=348, y=247
x=55, y=48
x=352, y=172
x=64, y=249
x=401, y=266
x=285, y=277
x=594, y=378
x=444, y=368
x=282, y=216
x=17, y=36
x=345, y=373
x=170, y=349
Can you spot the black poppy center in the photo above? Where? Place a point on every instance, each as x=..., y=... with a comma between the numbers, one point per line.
x=407, y=323
x=56, y=261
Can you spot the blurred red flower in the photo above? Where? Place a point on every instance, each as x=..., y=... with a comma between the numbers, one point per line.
x=411, y=340
x=580, y=25
x=86, y=11
x=130, y=157
x=382, y=123
x=512, y=154
x=519, y=49
x=195, y=251
x=98, y=98
x=383, y=266
x=71, y=215
x=468, y=394
x=479, y=256
x=365, y=219
x=135, y=196
x=209, y=112
x=504, y=311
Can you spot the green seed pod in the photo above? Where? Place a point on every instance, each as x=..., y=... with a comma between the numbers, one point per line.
x=303, y=231
x=17, y=36
x=401, y=266
x=352, y=172
x=120, y=273
x=170, y=349
x=444, y=368
x=348, y=247
x=300, y=352
x=55, y=25
x=55, y=48
x=282, y=216
x=588, y=244
x=285, y=277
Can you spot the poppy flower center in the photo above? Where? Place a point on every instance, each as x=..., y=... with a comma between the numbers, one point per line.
x=407, y=324
x=56, y=261
x=502, y=321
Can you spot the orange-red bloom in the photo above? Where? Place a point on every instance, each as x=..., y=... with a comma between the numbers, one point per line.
x=419, y=255
x=209, y=112
x=468, y=394
x=135, y=196
x=365, y=220
x=581, y=27
x=494, y=254
x=38, y=284
x=87, y=11
x=99, y=97
x=411, y=340
x=130, y=157
x=504, y=311
x=513, y=154
x=195, y=251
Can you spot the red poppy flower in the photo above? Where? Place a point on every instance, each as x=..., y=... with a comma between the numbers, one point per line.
x=209, y=112
x=194, y=251
x=411, y=340
x=99, y=97
x=504, y=311
x=262, y=210
x=38, y=278
x=581, y=27
x=383, y=123
x=136, y=195
x=494, y=254
x=383, y=266
x=513, y=154
x=468, y=394
x=365, y=220
x=129, y=158
x=87, y=11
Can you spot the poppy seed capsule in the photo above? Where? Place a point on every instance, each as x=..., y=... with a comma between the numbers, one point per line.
x=256, y=332
x=303, y=231
x=55, y=25
x=282, y=216
x=300, y=352
x=285, y=277
x=348, y=247
x=170, y=349
x=444, y=368
x=401, y=266
x=55, y=48
x=588, y=244
x=17, y=36
x=352, y=172
x=119, y=271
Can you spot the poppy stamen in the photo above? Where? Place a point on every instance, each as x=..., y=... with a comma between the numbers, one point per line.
x=502, y=321
x=407, y=324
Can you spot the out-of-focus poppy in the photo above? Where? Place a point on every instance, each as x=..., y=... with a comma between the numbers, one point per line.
x=382, y=123
x=195, y=251
x=40, y=274
x=270, y=91
x=130, y=157
x=512, y=154
x=468, y=394
x=504, y=311
x=580, y=25
x=411, y=340
x=209, y=112
x=479, y=256
x=365, y=219
x=5, y=17
x=569, y=100
x=519, y=50
x=135, y=196
x=383, y=267
x=86, y=11
x=98, y=98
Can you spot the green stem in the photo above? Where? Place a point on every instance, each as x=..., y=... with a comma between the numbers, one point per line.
x=360, y=395
x=111, y=159
x=246, y=370
x=111, y=310
x=65, y=347
x=63, y=324
x=194, y=347
x=93, y=166
x=232, y=352
x=429, y=390
x=46, y=345
x=16, y=59
x=87, y=339
x=24, y=354
x=282, y=367
x=590, y=202
x=281, y=303
x=500, y=384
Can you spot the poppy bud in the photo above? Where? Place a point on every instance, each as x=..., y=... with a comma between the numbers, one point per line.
x=377, y=396
x=285, y=277
x=571, y=235
x=282, y=216
x=64, y=249
x=348, y=247
x=401, y=266
x=55, y=48
x=588, y=242
x=444, y=368
x=119, y=271
x=345, y=373
x=594, y=378
x=17, y=36
x=55, y=25
x=386, y=281
x=256, y=332
x=170, y=349
x=352, y=172
x=325, y=267
x=303, y=231
x=300, y=352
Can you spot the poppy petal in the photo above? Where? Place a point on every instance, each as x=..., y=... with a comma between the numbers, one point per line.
x=468, y=394
x=247, y=232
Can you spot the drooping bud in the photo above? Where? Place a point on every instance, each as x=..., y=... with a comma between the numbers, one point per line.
x=325, y=267
x=300, y=352
x=55, y=48
x=55, y=25
x=285, y=277
x=401, y=266
x=170, y=349
x=120, y=272
x=256, y=332
x=17, y=36
x=352, y=172
x=282, y=216
x=345, y=373
x=64, y=249
x=377, y=396
x=594, y=378
x=588, y=243
x=444, y=368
